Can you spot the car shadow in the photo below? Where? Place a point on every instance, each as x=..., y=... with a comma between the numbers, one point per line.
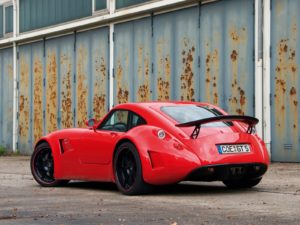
x=184, y=188
x=104, y=186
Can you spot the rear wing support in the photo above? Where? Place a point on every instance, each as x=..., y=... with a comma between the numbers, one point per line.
x=251, y=121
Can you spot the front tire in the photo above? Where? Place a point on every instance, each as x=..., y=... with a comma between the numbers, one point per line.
x=242, y=183
x=128, y=170
x=42, y=167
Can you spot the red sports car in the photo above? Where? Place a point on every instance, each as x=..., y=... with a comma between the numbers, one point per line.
x=138, y=145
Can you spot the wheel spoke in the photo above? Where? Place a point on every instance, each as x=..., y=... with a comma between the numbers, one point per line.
x=126, y=169
x=44, y=165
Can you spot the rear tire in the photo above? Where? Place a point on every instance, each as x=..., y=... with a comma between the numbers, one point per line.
x=42, y=167
x=128, y=170
x=242, y=183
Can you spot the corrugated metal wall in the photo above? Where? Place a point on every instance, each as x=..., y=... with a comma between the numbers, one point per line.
x=63, y=81
x=227, y=55
x=285, y=82
x=200, y=53
x=132, y=61
x=6, y=98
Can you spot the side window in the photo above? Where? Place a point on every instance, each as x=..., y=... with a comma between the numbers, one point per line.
x=136, y=120
x=118, y=121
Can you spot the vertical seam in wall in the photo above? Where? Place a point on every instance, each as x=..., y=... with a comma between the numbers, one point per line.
x=111, y=66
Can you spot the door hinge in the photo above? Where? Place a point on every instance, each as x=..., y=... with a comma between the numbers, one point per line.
x=75, y=40
x=199, y=61
x=270, y=98
x=199, y=14
x=152, y=25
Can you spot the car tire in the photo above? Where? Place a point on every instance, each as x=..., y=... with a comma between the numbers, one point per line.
x=42, y=166
x=128, y=170
x=242, y=183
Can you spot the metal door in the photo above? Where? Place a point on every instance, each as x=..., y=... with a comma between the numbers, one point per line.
x=285, y=32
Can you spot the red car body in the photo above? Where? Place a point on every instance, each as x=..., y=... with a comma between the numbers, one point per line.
x=88, y=153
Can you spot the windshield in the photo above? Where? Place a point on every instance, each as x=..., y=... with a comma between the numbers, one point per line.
x=188, y=113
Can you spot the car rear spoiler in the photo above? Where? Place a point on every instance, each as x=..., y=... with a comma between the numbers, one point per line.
x=251, y=121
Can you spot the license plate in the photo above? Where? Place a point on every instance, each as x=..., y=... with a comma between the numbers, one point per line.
x=234, y=149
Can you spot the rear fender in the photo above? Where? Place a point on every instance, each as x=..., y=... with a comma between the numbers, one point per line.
x=164, y=160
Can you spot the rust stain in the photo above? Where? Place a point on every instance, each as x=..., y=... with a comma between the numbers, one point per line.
x=51, y=92
x=122, y=91
x=10, y=72
x=234, y=55
x=293, y=91
x=99, y=98
x=24, y=101
x=286, y=100
x=187, y=74
x=143, y=92
x=212, y=75
x=163, y=83
x=82, y=88
x=66, y=93
x=164, y=72
x=37, y=99
x=238, y=99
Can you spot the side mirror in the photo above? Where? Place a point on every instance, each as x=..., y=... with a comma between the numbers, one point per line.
x=91, y=123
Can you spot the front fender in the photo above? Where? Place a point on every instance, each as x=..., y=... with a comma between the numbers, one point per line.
x=164, y=161
x=56, y=153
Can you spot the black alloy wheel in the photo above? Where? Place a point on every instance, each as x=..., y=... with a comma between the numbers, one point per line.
x=42, y=166
x=128, y=170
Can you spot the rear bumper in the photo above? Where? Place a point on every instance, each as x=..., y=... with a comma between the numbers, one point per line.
x=227, y=172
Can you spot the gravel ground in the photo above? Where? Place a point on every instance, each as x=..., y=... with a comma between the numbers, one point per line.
x=276, y=200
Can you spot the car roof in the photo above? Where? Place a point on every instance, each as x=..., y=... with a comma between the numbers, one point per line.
x=158, y=104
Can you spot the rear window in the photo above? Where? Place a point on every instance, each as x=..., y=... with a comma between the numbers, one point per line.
x=188, y=113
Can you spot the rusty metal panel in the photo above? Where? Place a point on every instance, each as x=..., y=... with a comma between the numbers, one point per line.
x=99, y=59
x=92, y=60
x=163, y=57
x=6, y=98
x=132, y=61
x=176, y=55
x=31, y=95
x=37, y=62
x=60, y=90
x=82, y=78
x=227, y=55
x=66, y=84
x=285, y=83
x=52, y=103
x=142, y=58
x=123, y=63
x=186, y=49
x=25, y=97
